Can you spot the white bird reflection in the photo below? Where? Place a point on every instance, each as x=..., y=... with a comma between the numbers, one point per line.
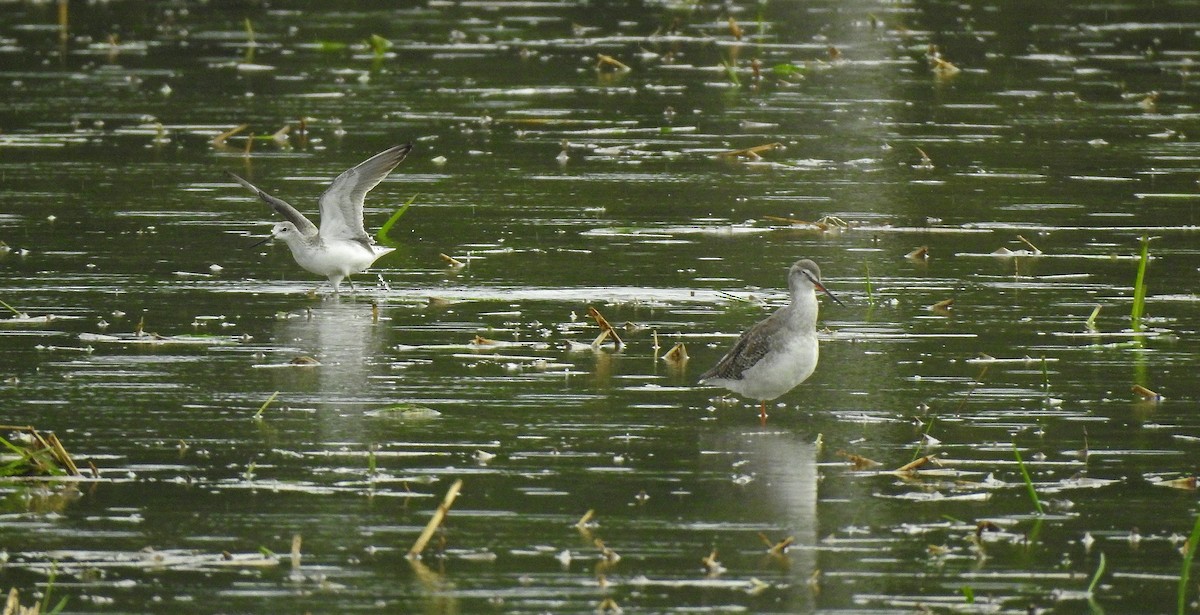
x=775, y=478
x=345, y=338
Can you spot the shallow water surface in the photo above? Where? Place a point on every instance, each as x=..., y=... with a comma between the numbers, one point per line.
x=671, y=196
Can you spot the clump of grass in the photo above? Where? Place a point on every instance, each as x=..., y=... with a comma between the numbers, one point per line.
x=36, y=454
x=1037, y=503
x=1139, y=287
x=12, y=605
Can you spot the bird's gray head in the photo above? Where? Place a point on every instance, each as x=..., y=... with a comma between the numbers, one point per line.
x=805, y=276
x=281, y=230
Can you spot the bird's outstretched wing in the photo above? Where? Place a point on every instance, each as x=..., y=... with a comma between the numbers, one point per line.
x=285, y=209
x=751, y=347
x=342, y=202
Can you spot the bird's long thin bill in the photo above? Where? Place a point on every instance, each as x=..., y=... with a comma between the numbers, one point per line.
x=270, y=237
x=831, y=295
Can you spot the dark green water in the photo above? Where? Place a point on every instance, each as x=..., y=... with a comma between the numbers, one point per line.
x=1069, y=126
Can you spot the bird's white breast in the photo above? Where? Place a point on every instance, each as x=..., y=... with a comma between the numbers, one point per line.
x=337, y=257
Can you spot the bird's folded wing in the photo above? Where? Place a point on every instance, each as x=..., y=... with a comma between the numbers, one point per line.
x=342, y=202
x=750, y=348
x=284, y=208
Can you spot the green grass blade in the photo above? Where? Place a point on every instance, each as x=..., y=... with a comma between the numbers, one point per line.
x=58, y=608
x=49, y=585
x=731, y=72
x=382, y=236
x=12, y=309
x=258, y=415
x=1139, y=287
x=1096, y=577
x=1037, y=503
x=1090, y=323
x=379, y=45
x=1189, y=553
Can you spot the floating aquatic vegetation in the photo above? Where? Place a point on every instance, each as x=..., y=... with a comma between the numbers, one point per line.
x=750, y=153
x=37, y=454
x=911, y=467
x=585, y=522
x=606, y=329
x=1146, y=394
x=713, y=567
x=942, y=307
x=609, y=605
x=452, y=262
x=858, y=462
x=926, y=162
x=439, y=515
x=606, y=63
x=22, y=318
x=220, y=140
x=919, y=254
x=776, y=548
x=1187, y=483
x=677, y=355
x=154, y=339
x=943, y=69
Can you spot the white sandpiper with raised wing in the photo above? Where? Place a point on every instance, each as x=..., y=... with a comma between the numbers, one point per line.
x=341, y=246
